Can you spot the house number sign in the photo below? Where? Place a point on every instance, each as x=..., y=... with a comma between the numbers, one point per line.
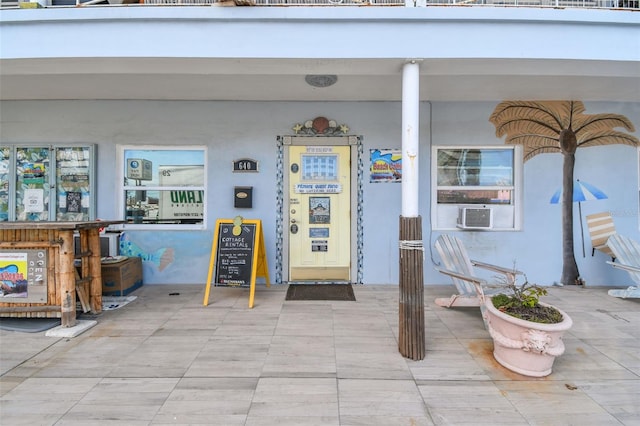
x=245, y=165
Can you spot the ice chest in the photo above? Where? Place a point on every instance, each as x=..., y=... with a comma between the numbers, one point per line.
x=121, y=278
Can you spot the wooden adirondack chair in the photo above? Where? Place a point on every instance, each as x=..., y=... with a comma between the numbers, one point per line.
x=601, y=227
x=627, y=254
x=458, y=266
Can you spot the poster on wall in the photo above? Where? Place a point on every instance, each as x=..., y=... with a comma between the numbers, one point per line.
x=33, y=200
x=74, y=202
x=386, y=165
x=23, y=276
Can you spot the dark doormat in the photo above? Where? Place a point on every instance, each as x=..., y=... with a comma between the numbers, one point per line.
x=320, y=292
x=28, y=325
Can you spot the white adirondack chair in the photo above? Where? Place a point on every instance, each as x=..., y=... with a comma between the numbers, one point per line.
x=627, y=254
x=458, y=266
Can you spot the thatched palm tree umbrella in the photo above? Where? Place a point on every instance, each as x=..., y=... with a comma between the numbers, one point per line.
x=560, y=126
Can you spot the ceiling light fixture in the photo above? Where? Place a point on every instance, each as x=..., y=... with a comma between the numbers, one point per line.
x=321, y=80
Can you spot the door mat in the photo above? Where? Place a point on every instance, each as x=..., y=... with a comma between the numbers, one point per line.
x=320, y=292
x=28, y=325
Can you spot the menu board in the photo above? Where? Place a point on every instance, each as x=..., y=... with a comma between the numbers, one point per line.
x=238, y=256
x=235, y=255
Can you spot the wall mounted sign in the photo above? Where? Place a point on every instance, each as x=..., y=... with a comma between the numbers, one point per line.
x=318, y=188
x=245, y=165
x=386, y=165
x=318, y=232
x=23, y=276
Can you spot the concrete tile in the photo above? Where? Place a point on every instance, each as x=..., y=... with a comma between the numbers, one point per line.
x=385, y=421
x=539, y=399
x=478, y=417
x=43, y=389
x=98, y=412
x=28, y=419
x=380, y=398
x=293, y=421
x=295, y=397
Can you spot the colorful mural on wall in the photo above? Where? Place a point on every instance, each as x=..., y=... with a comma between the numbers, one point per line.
x=560, y=127
x=169, y=257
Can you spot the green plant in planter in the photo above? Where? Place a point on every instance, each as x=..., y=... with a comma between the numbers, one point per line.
x=524, y=302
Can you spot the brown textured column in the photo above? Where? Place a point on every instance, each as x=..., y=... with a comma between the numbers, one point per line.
x=411, y=336
x=95, y=271
x=67, y=277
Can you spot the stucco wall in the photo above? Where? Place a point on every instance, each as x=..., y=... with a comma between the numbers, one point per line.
x=234, y=130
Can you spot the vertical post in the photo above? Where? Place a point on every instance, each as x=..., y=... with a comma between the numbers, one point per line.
x=95, y=268
x=411, y=340
x=67, y=278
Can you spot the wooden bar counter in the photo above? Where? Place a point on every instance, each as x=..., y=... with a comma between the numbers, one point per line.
x=51, y=247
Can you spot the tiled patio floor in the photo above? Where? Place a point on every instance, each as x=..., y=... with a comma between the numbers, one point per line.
x=166, y=359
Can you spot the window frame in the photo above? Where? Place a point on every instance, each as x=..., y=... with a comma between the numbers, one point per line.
x=506, y=217
x=121, y=196
x=53, y=185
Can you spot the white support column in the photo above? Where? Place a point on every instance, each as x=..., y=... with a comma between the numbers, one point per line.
x=410, y=137
x=411, y=332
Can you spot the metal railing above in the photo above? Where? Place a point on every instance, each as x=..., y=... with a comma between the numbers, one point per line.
x=603, y=4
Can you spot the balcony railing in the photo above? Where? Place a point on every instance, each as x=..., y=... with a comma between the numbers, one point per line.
x=603, y=4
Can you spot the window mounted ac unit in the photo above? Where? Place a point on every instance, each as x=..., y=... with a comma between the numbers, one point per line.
x=475, y=218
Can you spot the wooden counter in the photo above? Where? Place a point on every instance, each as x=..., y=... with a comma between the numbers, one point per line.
x=49, y=247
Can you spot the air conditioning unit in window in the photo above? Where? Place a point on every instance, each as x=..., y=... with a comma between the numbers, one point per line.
x=475, y=218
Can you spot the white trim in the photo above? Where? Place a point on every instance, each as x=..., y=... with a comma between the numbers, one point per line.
x=501, y=213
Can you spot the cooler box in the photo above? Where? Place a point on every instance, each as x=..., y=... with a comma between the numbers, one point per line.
x=121, y=278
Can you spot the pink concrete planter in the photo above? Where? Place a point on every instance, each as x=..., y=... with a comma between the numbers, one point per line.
x=525, y=347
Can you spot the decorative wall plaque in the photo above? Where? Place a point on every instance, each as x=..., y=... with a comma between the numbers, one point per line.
x=245, y=165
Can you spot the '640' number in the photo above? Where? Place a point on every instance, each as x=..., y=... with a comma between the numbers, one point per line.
x=245, y=165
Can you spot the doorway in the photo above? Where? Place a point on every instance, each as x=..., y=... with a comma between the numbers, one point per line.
x=320, y=222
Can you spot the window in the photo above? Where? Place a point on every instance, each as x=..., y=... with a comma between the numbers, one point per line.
x=485, y=180
x=320, y=167
x=164, y=187
x=47, y=183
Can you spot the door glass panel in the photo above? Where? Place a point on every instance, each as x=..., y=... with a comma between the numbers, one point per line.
x=319, y=167
x=32, y=178
x=4, y=183
x=73, y=183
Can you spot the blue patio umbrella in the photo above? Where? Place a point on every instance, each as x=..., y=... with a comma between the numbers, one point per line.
x=582, y=191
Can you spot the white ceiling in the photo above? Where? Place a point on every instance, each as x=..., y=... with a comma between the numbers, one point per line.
x=283, y=80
